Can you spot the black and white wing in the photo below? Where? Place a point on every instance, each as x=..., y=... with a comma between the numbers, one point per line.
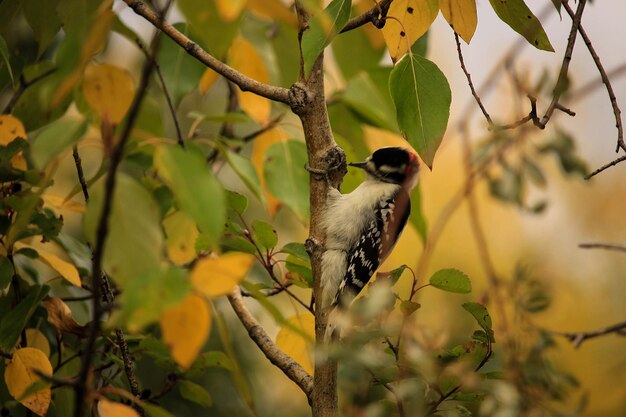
x=373, y=246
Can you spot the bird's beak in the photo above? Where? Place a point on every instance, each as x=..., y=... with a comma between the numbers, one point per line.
x=361, y=165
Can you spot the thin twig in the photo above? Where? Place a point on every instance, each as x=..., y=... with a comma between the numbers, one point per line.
x=607, y=246
x=469, y=80
x=244, y=82
x=269, y=126
x=605, y=79
x=270, y=292
x=81, y=387
x=567, y=57
x=168, y=98
x=392, y=390
x=232, y=105
x=578, y=338
x=376, y=15
x=292, y=369
x=22, y=87
x=606, y=166
x=79, y=171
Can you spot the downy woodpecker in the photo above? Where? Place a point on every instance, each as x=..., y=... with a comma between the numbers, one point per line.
x=363, y=226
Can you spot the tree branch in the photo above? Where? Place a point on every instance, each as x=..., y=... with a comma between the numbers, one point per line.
x=607, y=246
x=605, y=79
x=244, y=82
x=280, y=359
x=376, y=16
x=578, y=338
x=606, y=166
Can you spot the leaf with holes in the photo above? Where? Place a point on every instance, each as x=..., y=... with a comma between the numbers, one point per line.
x=20, y=374
x=407, y=21
x=518, y=16
x=422, y=97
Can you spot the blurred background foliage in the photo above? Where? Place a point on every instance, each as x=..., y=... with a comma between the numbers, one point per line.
x=513, y=229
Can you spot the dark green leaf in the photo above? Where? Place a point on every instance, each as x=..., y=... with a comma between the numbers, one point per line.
x=211, y=31
x=420, y=47
x=518, y=16
x=216, y=358
x=451, y=280
x=322, y=29
x=236, y=201
x=394, y=275
x=134, y=244
x=564, y=147
x=246, y=172
x=422, y=98
x=43, y=20
x=181, y=71
x=6, y=272
x=534, y=173
x=481, y=315
x=296, y=249
x=28, y=252
x=557, y=5
x=264, y=234
x=507, y=186
x=364, y=97
x=156, y=411
x=55, y=138
x=285, y=43
x=4, y=54
x=195, y=189
x=286, y=177
x=13, y=322
x=194, y=392
x=300, y=266
x=238, y=244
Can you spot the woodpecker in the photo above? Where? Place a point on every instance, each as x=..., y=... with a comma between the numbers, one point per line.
x=362, y=227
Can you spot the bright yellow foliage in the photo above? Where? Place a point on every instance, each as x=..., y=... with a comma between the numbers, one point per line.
x=229, y=10
x=407, y=21
x=181, y=232
x=64, y=268
x=243, y=56
x=461, y=15
x=109, y=91
x=20, y=374
x=185, y=328
x=10, y=129
x=108, y=408
x=294, y=344
x=273, y=9
x=259, y=148
x=216, y=276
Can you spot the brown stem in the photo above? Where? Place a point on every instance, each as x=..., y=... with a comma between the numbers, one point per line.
x=607, y=246
x=578, y=338
x=244, y=82
x=22, y=87
x=376, y=16
x=280, y=359
x=606, y=166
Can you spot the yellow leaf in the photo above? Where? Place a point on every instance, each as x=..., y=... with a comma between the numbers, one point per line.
x=20, y=374
x=181, y=232
x=259, y=148
x=37, y=340
x=373, y=34
x=407, y=21
x=185, y=328
x=64, y=268
x=274, y=10
x=108, y=408
x=244, y=57
x=461, y=15
x=60, y=203
x=109, y=91
x=229, y=10
x=208, y=79
x=94, y=42
x=12, y=128
x=218, y=276
x=294, y=344
x=60, y=316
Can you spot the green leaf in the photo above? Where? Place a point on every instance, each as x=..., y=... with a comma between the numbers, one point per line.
x=518, y=16
x=286, y=177
x=564, y=148
x=194, y=392
x=364, y=97
x=216, y=358
x=451, y=280
x=409, y=307
x=156, y=411
x=422, y=98
x=481, y=315
x=181, y=71
x=236, y=201
x=394, y=275
x=4, y=54
x=13, y=322
x=148, y=295
x=134, y=244
x=238, y=244
x=195, y=189
x=557, y=5
x=416, y=217
x=55, y=138
x=301, y=267
x=43, y=19
x=264, y=234
x=507, y=186
x=322, y=29
x=244, y=170
x=212, y=33
x=296, y=249
x=6, y=272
